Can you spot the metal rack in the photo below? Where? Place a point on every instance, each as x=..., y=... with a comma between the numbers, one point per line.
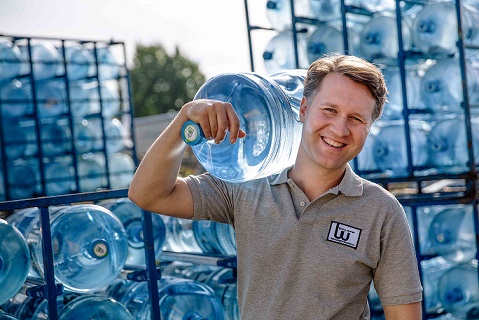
x=412, y=190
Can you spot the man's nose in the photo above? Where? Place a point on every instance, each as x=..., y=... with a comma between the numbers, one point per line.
x=340, y=126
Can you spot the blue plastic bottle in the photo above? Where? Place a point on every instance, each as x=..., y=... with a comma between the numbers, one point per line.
x=51, y=99
x=458, y=291
x=326, y=10
x=179, y=299
x=180, y=236
x=59, y=177
x=390, y=147
x=94, y=307
x=108, y=65
x=55, y=137
x=45, y=58
x=79, y=62
x=130, y=216
x=91, y=172
x=279, y=13
x=14, y=260
x=215, y=237
x=279, y=52
x=10, y=57
x=16, y=99
x=432, y=270
x=104, y=99
x=85, y=258
x=121, y=168
x=267, y=116
x=23, y=178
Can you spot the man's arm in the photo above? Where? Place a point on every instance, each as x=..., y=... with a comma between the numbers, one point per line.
x=410, y=311
x=156, y=186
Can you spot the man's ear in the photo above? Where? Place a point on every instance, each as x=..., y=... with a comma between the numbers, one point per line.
x=302, y=109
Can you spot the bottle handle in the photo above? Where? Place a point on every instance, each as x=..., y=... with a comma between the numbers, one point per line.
x=192, y=134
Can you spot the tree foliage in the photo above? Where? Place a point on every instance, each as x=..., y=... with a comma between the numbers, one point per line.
x=162, y=82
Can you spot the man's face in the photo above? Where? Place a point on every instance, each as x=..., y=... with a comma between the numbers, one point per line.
x=336, y=123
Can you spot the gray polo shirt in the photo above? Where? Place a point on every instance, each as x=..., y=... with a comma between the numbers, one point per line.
x=301, y=259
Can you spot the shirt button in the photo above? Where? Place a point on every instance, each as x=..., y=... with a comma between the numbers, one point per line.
x=302, y=203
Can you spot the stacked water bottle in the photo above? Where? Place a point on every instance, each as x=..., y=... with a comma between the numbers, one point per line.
x=89, y=264
x=65, y=116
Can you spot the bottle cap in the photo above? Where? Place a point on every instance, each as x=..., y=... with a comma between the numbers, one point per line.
x=191, y=133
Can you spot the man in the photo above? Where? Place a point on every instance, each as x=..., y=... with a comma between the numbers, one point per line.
x=310, y=239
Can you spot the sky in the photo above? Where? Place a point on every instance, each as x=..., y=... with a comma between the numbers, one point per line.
x=213, y=33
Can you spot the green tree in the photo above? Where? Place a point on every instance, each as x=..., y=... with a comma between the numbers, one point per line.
x=162, y=82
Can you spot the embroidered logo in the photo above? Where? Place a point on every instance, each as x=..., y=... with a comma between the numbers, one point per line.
x=344, y=234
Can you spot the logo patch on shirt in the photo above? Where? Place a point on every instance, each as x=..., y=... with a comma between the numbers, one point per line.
x=344, y=234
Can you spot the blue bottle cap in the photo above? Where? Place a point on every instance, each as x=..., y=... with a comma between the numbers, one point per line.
x=191, y=133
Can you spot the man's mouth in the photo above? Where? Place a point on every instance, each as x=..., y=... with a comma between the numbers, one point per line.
x=333, y=143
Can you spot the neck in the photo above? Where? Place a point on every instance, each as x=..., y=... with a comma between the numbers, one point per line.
x=315, y=181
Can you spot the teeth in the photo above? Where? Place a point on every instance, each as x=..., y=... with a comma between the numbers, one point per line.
x=333, y=143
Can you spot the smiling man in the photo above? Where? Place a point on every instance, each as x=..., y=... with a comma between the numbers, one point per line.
x=312, y=238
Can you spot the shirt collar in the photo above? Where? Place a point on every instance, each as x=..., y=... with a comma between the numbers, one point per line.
x=351, y=184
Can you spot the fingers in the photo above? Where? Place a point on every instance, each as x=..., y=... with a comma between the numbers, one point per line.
x=216, y=118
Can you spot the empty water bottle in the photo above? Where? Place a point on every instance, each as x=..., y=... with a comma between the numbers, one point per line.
x=326, y=10
x=94, y=307
x=59, y=177
x=458, y=291
x=44, y=57
x=116, y=135
x=328, y=38
x=19, y=139
x=223, y=283
x=432, y=270
x=25, y=307
x=374, y=5
x=266, y=115
x=90, y=244
x=14, y=260
x=180, y=236
x=448, y=146
x=379, y=38
x=435, y=29
x=10, y=57
x=16, y=99
x=88, y=135
x=121, y=169
x=80, y=100
x=23, y=178
x=441, y=85
x=179, y=299
x=130, y=216
x=280, y=16
x=91, y=172
x=215, y=237
x=390, y=147
x=79, y=61
x=55, y=137
x=108, y=65
x=51, y=99
x=104, y=99
x=197, y=272
x=279, y=53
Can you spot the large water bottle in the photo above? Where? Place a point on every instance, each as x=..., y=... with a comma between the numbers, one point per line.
x=390, y=147
x=108, y=65
x=458, y=291
x=328, y=38
x=373, y=5
x=180, y=236
x=279, y=13
x=23, y=178
x=51, y=99
x=121, y=169
x=179, y=299
x=14, y=260
x=45, y=58
x=116, y=135
x=279, y=52
x=90, y=244
x=10, y=57
x=448, y=231
x=379, y=38
x=80, y=100
x=79, y=61
x=19, y=139
x=91, y=172
x=88, y=136
x=270, y=121
x=395, y=105
x=16, y=99
x=326, y=10
x=55, y=137
x=59, y=177
x=214, y=237
x=435, y=27
x=441, y=85
x=432, y=270
x=104, y=99
x=447, y=143
x=130, y=216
